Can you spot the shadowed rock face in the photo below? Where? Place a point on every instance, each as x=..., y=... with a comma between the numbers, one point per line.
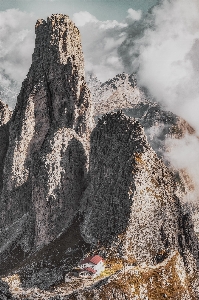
x=131, y=202
x=108, y=198
x=59, y=178
x=4, y=291
x=48, y=132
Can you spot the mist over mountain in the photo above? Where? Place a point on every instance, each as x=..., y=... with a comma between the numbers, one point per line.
x=84, y=172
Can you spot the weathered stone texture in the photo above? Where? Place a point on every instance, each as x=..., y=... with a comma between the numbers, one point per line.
x=52, y=119
x=132, y=194
x=108, y=198
x=59, y=179
x=5, y=293
x=117, y=93
x=5, y=115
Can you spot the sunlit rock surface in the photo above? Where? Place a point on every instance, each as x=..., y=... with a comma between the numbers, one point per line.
x=45, y=165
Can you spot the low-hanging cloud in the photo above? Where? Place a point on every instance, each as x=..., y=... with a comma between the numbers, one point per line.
x=16, y=47
x=183, y=155
x=133, y=15
x=100, y=41
x=163, y=50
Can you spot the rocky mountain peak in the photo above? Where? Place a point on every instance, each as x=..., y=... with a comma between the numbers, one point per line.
x=140, y=191
x=57, y=71
x=5, y=115
x=60, y=33
x=117, y=93
x=48, y=137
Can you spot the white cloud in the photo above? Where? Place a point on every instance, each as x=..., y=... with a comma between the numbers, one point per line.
x=169, y=68
x=134, y=15
x=163, y=49
x=100, y=41
x=83, y=17
x=184, y=155
x=168, y=55
x=16, y=48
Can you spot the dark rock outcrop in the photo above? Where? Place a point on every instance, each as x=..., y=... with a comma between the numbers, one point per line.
x=5, y=293
x=47, y=267
x=114, y=143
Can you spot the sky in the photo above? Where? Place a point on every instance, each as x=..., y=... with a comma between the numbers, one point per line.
x=156, y=39
x=102, y=9
x=101, y=18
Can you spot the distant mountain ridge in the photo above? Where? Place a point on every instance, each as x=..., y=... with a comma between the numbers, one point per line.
x=122, y=92
x=117, y=93
x=159, y=124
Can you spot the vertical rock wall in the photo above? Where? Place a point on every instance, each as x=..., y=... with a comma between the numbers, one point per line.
x=131, y=200
x=48, y=132
x=108, y=199
x=5, y=115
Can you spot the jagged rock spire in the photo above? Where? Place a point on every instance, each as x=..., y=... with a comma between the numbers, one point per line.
x=49, y=135
x=57, y=70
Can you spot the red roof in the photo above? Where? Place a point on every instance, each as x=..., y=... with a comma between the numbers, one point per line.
x=96, y=259
x=90, y=270
x=91, y=259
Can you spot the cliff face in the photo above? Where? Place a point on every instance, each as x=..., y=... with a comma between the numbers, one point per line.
x=45, y=166
x=108, y=199
x=160, y=126
x=5, y=115
x=131, y=202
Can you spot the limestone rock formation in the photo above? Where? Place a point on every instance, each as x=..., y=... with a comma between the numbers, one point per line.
x=117, y=93
x=160, y=126
x=45, y=165
x=131, y=204
x=5, y=115
x=122, y=92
